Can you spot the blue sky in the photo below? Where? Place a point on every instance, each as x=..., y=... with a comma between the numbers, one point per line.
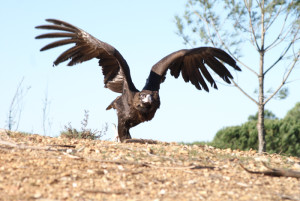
x=144, y=32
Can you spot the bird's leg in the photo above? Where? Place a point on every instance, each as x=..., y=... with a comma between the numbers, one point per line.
x=123, y=132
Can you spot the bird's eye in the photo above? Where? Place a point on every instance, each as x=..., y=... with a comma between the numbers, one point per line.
x=142, y=95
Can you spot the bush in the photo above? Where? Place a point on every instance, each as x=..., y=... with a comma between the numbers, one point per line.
x=282, y=135
x=84, y=133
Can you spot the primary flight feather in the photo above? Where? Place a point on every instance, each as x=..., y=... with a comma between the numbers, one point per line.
x=134, y=106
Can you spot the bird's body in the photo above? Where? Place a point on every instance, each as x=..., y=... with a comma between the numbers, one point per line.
x=134, y=106
x=132, y=112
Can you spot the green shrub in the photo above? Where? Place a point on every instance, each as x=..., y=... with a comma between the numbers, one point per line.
x=282, y=135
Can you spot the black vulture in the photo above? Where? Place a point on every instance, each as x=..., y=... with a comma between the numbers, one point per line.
x=134, y=106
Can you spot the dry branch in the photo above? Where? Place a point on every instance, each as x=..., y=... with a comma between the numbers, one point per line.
x=274, y=172
x=142, y=141
x=105, y=192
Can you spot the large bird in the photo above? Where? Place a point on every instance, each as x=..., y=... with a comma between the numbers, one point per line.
x=134, y=106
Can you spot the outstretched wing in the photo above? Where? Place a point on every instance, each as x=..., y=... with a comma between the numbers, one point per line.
x=114, y=67
x=192, y=65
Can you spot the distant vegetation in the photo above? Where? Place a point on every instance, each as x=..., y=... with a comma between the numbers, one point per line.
x=282, y=135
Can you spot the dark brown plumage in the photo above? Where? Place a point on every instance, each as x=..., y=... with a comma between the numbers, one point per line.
x=134, y=106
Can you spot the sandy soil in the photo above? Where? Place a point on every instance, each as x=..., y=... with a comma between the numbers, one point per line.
x=34, y=167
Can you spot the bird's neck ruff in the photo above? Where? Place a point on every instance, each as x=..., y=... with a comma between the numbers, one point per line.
x=153, y=82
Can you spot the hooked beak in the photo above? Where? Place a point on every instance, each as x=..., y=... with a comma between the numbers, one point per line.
x=147, y=99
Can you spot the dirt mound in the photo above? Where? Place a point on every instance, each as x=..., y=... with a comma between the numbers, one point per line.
x=33, y=167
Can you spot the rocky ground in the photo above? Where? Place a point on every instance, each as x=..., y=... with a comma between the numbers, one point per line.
x=33, y=167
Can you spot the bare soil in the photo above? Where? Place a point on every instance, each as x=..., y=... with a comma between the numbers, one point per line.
x=33, y=167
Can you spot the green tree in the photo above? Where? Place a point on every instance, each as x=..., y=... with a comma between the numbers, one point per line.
x=269, y=26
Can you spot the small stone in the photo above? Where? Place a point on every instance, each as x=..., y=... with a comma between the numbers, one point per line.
x=162, y=192
x=89, y=171
x=37, y=195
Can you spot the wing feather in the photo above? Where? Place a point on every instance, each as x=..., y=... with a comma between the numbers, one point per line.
x=55, y=27
x=114, y=67
x=205, y=72
x=56, y=35
x=199, y=77
x=223, y=56
x=218, y=68
x=58, y=43
x=69, y=53
x=191, y=64
x=185, y=71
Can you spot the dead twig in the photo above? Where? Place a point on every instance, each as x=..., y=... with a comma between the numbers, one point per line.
x=61, y=145
x=105, y=192
x=142, y=141
x=191, y=167
x=274, y=172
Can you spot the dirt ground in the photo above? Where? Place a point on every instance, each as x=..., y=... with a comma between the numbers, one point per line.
x=33, y=167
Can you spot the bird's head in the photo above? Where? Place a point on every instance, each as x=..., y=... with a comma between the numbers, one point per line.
x=146, y=100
